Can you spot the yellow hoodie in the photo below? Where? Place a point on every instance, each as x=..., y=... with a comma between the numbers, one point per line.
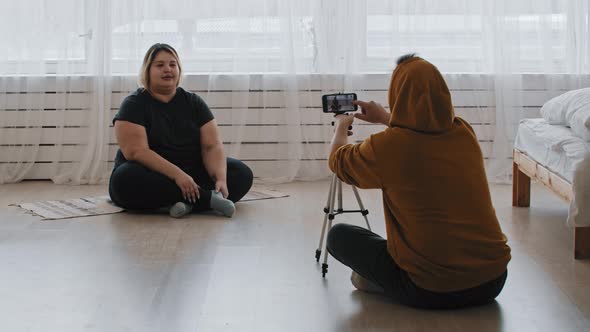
x=441, y=226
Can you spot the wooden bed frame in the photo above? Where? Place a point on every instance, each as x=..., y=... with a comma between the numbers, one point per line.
x=524, y=168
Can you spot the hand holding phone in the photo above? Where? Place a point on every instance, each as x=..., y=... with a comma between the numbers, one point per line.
x=339, y=103
x=344, y=122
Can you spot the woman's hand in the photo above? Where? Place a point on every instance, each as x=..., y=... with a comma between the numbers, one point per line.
x=221, y=186
x=188, y=186
x=372, y=112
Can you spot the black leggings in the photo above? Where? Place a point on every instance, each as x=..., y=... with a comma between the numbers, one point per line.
x=135, y=187
x=366, y=253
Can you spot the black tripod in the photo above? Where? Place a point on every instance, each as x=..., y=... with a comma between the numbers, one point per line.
x=330, y=213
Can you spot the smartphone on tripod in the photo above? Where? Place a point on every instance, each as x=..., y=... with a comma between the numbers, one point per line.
x=339, y=103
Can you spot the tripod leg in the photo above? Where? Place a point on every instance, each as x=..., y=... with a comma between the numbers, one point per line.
x=325, y=263
x=364, y=211
x=339, y=195
x=318, y=251
x=330, y=219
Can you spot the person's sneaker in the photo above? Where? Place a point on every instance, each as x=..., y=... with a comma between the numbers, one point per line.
x=364, y=285
x=180, y=209
x=222, y=205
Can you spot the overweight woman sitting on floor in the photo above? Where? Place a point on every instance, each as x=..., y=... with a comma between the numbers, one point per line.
x=170, y=152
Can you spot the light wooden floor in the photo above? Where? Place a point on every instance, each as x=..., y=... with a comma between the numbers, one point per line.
x=256, y=271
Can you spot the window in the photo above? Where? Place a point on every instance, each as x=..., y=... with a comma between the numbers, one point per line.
x=463, y=38
x=474, y=36
x=38, y=36
x=220, y=44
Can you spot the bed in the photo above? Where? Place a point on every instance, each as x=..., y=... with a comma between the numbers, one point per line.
x=560, y=160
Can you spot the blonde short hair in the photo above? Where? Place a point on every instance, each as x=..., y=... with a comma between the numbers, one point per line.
x=148, y=59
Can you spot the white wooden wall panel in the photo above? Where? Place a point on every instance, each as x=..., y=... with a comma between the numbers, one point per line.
x=60, y=120
x=249, y=116
x=229, y=134
x=251, y=152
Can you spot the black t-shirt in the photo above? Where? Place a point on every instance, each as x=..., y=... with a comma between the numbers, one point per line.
x=173, y=128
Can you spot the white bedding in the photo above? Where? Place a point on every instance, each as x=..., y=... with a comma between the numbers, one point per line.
x=558, y=149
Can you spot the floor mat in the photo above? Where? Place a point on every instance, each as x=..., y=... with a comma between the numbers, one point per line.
x=258, y=192
x=71, y=208
x=98, y=205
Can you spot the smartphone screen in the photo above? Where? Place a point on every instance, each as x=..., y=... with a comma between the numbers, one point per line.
x=339, y=103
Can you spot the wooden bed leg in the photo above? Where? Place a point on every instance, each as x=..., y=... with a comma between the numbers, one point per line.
x=581, y=242
x=521, y=187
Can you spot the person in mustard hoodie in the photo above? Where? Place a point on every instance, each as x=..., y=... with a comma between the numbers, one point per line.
x=444, y=246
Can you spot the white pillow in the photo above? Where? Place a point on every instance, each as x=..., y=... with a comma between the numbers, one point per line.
x=560, y=109
x=580, y=123
x=570, y=109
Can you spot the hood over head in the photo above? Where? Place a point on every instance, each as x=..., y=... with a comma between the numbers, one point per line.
x=419, y=98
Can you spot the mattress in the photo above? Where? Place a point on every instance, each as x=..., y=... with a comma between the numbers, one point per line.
x=559, y=150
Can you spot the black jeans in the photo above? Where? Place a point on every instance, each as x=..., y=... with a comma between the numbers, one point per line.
x=366, y=253
x=135, y=187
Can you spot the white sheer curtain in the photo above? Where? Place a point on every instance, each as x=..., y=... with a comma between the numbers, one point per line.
x=505, y=41
x=545, y=37
x=55, y=50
